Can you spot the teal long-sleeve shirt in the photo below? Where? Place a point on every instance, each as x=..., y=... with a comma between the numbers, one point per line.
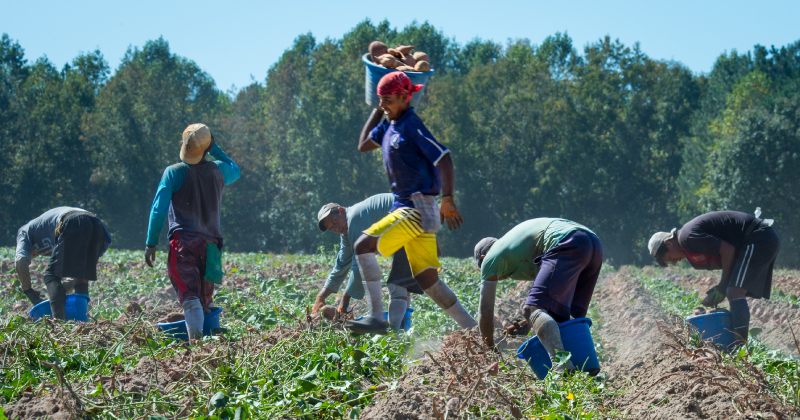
x=360, y=216
x=171, y=182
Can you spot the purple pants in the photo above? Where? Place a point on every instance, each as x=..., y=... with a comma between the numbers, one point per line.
x=567, y=275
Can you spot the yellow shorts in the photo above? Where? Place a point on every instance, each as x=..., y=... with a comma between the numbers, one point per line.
x=403, y=228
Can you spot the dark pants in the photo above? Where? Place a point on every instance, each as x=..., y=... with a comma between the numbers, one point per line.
x=401, y=273
x=755, y=263
x=79, y=243
x=567, y=276
x=78, y=247
x=187, y=268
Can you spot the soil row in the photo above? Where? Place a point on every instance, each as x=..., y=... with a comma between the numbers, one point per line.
x=777, y=319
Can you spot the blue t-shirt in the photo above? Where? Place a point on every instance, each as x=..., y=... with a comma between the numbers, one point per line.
x=410, y=154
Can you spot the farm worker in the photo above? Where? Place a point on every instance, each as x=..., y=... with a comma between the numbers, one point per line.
x=191, y=192
x=418, y=168
x=349, y=223
x=75, y=240
x=743, y=246
x=563, y=258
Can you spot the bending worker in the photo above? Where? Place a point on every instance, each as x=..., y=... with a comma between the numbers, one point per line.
x=563, y=258
x=743, y=246
x=75, y=240
x=414, y=161
x=191, y=192
x=349, y=223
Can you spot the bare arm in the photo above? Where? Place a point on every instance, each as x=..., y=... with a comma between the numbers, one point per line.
x=24, y=274
x=446, y=172
x=365, y=144
x=728, y=255
x=486, y=310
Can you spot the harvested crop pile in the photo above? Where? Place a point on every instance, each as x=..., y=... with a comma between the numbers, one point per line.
x=462, y=377
x=399, y=58
x=670, y=377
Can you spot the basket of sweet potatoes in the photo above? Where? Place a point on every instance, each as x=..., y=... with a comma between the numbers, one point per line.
x=381, y=60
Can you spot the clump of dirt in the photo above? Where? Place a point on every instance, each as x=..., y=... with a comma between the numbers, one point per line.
x=787, y=281
x=32, y=407
x=663, y=376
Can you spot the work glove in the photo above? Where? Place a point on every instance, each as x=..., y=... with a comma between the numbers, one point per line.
x=713, y=297
x=150, y=255
x=449, y=212
x=319, y=302
x=527, y=312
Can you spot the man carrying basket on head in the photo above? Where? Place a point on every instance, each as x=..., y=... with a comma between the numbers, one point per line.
x=418, y=167
x=191, y=192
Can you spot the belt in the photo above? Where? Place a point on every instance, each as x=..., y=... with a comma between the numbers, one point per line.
x=67, y=215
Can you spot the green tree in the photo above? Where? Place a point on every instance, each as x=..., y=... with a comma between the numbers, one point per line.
x=46, y=160
x=137, y=124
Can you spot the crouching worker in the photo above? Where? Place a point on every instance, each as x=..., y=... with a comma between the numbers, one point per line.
x=191, y=192
x=413, y=160
x=75, y=240
x=563, y=258
x=349, y=223
x=743, y=246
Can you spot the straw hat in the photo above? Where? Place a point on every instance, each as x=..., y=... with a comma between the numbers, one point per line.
x=196, y=139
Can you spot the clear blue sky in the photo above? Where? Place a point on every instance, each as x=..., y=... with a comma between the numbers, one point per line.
x=236, y=39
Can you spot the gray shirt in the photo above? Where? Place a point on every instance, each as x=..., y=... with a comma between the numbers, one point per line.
x=360, y=217
x=39, y=234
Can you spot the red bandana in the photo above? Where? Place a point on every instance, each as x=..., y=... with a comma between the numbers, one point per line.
x=397, y=83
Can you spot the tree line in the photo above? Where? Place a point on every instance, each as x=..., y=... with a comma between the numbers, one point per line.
x=602, y=135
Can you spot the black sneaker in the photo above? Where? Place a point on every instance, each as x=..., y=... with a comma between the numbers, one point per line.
x=368, y=325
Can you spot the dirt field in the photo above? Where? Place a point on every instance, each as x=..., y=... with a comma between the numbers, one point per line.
x=651, y=367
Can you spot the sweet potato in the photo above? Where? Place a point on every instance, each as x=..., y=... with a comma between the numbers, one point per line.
x=404, y=49
x=377, y=49
x=175, y=317
x=388, y=61
x=329, y=311
x=133, y=307
x=421, y=56
x=404, y=68
x=409, y=61
x=422, y=66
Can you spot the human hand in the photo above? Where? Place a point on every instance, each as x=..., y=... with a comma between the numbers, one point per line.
x=449, y=212
x=150, y=255
x=713, y=297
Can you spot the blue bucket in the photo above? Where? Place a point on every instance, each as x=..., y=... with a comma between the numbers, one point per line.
x=77, y=308
x=716, y=327
x=178, y=329
x=374, y=73
x=405, y=325
x=577, y=340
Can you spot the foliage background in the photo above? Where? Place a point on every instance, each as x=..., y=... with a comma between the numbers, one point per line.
x=604, y=136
